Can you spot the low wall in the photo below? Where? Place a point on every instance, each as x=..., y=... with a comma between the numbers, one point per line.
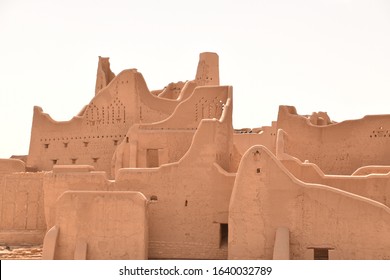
x=21, y=209
x=67, y=178
x=98, y=226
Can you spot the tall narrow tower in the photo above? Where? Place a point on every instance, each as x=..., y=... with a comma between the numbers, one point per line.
x=104, y=74
x=207, y=73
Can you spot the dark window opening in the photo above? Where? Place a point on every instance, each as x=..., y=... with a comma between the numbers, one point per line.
x=74, y=160
x=46, y=146
x=54, y=161
x=115, y=142
x=258, y=170
x=85, y=144
x=223, y=233
x=321, y=253
x=95, y=159
x=152, y=159
x=153, y=198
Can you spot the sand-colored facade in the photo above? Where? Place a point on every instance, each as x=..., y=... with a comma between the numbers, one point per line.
x=266, y=197
x=337, y=148
x=162, y=174
x=97, y=225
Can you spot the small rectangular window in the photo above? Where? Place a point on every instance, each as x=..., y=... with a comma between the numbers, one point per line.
x=321, y=253
x=223, y=233
x=152, y=159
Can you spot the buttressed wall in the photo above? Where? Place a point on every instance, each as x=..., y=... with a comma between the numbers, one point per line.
x=373, y=186
x=150, y=145
x=338, y=148
x=92, y=136
x=267, y=197
x=182, y=188
x=189, y=210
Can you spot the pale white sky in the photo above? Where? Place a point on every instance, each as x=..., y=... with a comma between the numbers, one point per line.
x=331, y=55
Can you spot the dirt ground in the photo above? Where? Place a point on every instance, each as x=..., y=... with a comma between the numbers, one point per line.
x=20, y=252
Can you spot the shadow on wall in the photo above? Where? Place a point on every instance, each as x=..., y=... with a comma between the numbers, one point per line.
x=266, y=197
x=189, y=218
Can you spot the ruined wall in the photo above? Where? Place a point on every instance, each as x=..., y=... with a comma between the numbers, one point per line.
x=266, y=196
x=8, y=166
x=21, y=209
x=245, y=138
x=104, y=74
x=207, y=74
x=172, y=90
x=150, y=145
x=188, y=216
x=92, y=137
x=67, y=178
x=98, y=226
x=338, y=148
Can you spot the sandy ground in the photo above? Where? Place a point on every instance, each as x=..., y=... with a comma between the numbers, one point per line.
x=20, y=253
